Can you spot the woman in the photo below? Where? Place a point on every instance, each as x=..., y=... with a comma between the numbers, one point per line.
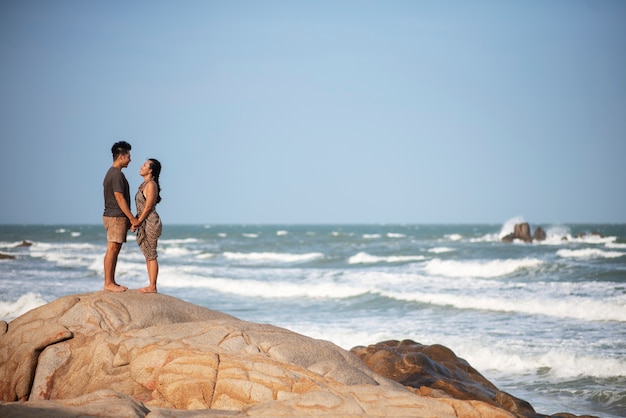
x=148, y=225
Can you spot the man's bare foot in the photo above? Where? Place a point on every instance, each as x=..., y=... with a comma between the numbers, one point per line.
x=115, y=288
x=148, y=289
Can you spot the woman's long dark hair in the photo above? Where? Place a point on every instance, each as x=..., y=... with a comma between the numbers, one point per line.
x=155, y=166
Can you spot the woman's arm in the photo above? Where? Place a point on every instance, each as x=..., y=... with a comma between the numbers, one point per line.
x=150, y=192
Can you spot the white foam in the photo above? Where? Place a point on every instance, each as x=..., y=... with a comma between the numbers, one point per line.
x=555, y=362
x=394, y=235
x=573, y=307
x=340, y=234
x=65, y=254
x=485, y=269
x=27, y=302
x=588, y=253
x=178, y=241
x=177, y=251
x=371, y=236
x=281, y=233
x=250, y=235
x=263, y=289
x=265, y=257
x=486, y=238
x=509, y=226
x=439, y=250
x=206, y=255
x=364, y=258
x=454, y=237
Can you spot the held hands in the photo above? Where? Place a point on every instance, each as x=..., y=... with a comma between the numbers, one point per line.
x=134, y=224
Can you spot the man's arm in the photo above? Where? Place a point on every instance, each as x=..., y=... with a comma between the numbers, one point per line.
x=121, y=202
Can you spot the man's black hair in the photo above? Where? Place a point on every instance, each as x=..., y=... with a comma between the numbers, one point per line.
x=120, y=148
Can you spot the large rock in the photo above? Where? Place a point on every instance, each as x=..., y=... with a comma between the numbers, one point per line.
x=436, y=369
x=132, y=354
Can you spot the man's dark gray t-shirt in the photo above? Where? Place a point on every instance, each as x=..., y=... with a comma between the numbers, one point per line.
x=115, y=181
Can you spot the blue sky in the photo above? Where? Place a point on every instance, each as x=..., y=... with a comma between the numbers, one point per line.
x=317, y=111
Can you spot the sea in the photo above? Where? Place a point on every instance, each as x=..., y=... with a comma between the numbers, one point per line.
x=544, y=321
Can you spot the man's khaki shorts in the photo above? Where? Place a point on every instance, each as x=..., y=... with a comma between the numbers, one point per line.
x=117, y=228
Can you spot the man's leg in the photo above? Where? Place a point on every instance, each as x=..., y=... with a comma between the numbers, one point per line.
x=110, y=262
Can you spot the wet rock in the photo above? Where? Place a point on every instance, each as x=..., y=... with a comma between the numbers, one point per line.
x=522, y=232
x=539, y=234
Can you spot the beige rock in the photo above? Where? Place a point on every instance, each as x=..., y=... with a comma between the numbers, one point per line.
x=131, y=354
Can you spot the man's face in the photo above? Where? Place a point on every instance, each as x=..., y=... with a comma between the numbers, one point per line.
x=125, y=159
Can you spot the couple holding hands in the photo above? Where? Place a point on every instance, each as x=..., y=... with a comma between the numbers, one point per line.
x=118, y=218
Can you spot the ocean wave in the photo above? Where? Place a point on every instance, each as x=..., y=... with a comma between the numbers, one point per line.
x=9, y=245
x=27, y=302
x=554, y=363
x=177, y=251
x=265, y=257
x=454, y=237
x=45, y=246
x=484, y=269
x=573, y=307
x=439, y=250
x=206, y=255
x=588, y=253
x=175, y=241
x=262, y=289
x=341, y=234
x=364, y=258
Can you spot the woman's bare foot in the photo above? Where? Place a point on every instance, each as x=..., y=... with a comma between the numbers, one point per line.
x=148, y=289
x=115, y=288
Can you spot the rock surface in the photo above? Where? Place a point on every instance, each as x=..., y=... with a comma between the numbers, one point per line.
x=135, y=355
x=437, y=368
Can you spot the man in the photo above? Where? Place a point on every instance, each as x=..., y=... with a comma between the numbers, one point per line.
x=117, y=217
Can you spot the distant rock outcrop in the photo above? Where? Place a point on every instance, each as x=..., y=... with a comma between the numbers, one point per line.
x=135, y=355
x=539, y=234
x=522, y=232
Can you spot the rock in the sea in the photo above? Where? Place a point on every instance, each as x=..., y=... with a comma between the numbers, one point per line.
x=6, y=257
x=135, y=355
x=522, y=232
x=539, y=234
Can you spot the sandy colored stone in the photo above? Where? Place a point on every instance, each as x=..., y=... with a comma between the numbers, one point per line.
x=135, y=355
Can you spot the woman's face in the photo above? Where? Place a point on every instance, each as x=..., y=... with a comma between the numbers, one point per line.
x=145, y=169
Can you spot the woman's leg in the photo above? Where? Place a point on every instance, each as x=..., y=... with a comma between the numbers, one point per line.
x=153, y=272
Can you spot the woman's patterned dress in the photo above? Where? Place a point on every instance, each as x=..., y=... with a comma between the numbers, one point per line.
x=149, y=231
